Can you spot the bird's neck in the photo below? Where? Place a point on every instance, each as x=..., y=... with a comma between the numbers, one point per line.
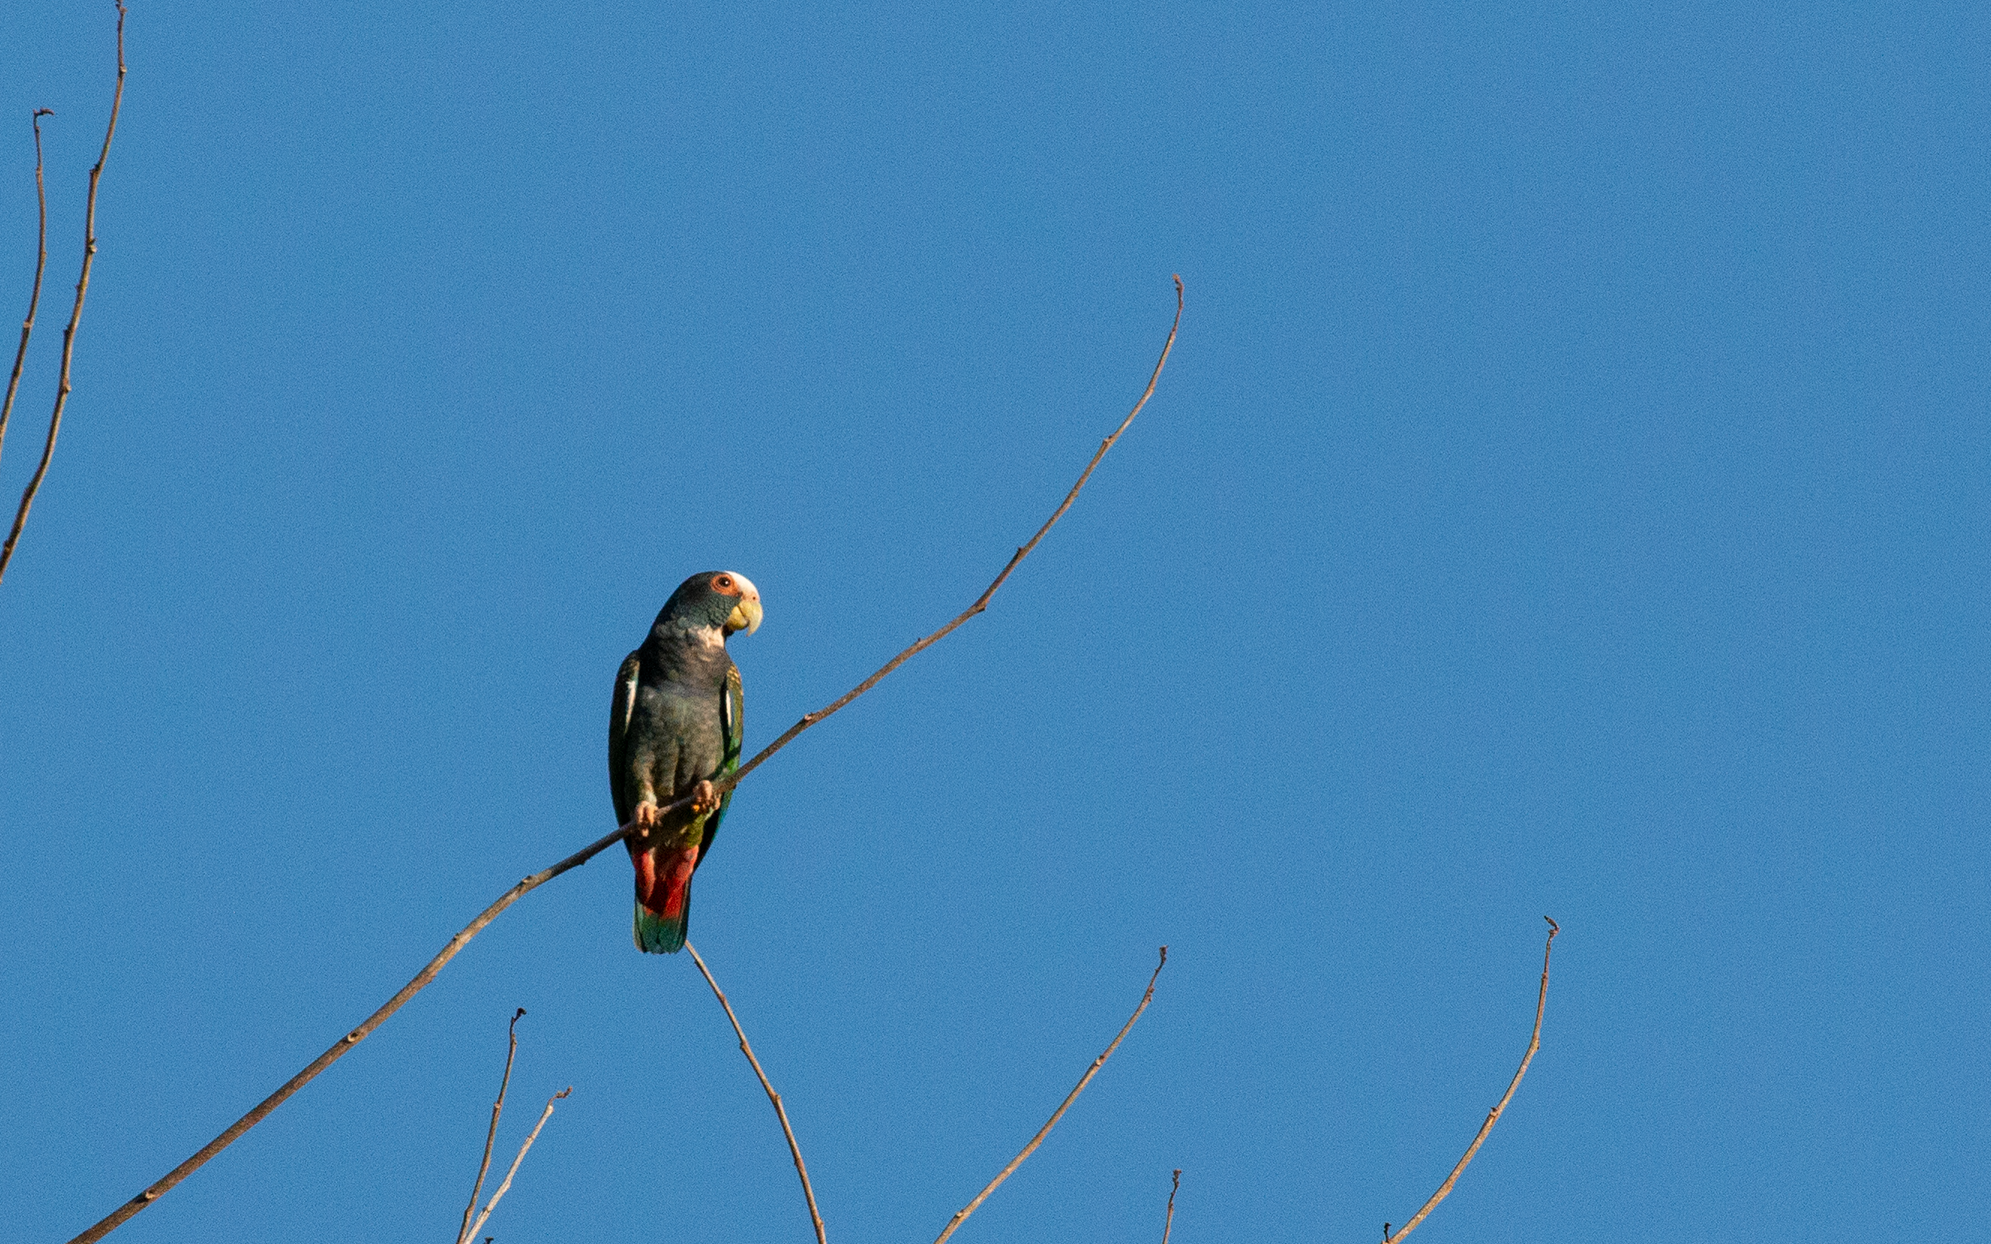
x=689, y=650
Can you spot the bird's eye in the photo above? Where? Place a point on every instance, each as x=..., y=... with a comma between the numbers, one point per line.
x=723, y=582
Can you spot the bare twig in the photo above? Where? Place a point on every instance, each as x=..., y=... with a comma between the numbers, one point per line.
x=421, y=981
x=1168, y=1224
x=344, y=1044
x=75, y=313
x=41, y=262
x=794, y=1150
x=1493, y=1115
x=1059, y=1113
x=981, y=602
x=506, y=1186
x=491, y=1136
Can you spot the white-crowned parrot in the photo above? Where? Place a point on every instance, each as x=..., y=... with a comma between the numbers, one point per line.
x=676, y=725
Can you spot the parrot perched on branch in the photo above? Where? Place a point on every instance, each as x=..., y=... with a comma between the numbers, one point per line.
x=676, y=725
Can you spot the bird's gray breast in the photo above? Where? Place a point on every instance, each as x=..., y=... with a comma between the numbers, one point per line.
x=680, y=737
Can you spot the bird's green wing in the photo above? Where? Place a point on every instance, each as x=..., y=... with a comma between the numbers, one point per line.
x=733, y=715
x=623, y=707
x=732, y=721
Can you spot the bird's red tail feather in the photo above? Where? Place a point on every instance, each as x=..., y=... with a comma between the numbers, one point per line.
x=663, y=878
x=663, y=895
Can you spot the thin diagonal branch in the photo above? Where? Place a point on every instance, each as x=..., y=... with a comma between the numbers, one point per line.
x=75, y=313
x=1493, y=1115
x=794, y=1150
x=1059, y=1113
x=41, y=262
x=1168, y=1224
x=421, y=981
x=506, y=1186
x=345, y=1044
x=491, y=1136
x=981, y=602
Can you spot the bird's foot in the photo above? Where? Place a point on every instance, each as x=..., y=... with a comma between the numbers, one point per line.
x=645, y=820
x=704, y=799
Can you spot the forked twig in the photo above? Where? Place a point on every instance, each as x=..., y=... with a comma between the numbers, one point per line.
x=1059, y=1113
x=75, y=313
x=41, y=262
x=525, y=886
x=794, y=1150
x=1168, y=1224
x=506, y=1186
x=1493, y=1115
x=491, y=1136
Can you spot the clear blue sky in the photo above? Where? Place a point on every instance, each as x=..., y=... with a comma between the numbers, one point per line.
x=1570, y=495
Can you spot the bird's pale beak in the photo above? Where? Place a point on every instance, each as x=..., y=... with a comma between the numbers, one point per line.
x=745, y=616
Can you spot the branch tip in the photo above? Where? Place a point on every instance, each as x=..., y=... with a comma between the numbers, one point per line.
x=75, y=316
x=1059, y=1113
x=1493, y=1115
x=981, y=602
x=523, y=1149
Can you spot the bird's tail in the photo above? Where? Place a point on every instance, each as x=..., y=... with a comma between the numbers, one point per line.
x=663, y=898
x=657, y=934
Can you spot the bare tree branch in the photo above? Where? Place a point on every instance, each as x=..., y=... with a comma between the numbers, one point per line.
x=794, y=1150
x=1059, y=1113
x=981, y=602
x=421, y=981
x=343, y=1045
x=75, y=313
x=41, y=262
x=490, y=1137
x=1168, y=1224
x=506, y=1186
x=1493, y=1115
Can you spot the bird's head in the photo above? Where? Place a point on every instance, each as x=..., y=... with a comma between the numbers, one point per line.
x=719, y=599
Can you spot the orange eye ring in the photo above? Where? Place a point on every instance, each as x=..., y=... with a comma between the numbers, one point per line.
x=724, y=585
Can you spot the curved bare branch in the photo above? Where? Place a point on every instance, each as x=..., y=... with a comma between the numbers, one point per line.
x=41, y=263
x=1493, y=1115
x=75, y=312
x=794, y=1150
x=1059, y=1113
